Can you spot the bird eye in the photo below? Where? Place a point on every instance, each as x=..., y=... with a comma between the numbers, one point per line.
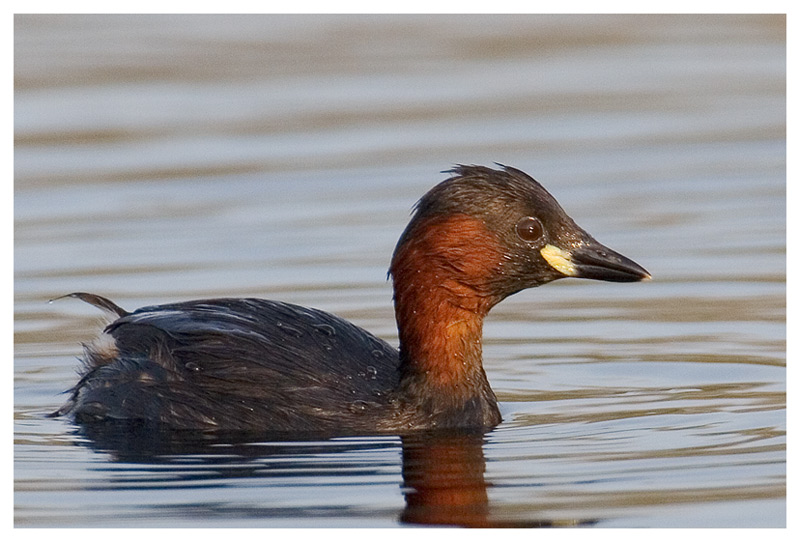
x=530, y=229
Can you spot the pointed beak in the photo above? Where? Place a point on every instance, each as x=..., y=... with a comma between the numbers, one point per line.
x=591, y=260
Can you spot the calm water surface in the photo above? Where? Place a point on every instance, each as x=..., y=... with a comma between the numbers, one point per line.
x=167, y=158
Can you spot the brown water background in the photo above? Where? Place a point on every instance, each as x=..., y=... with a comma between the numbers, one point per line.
x=164, y=158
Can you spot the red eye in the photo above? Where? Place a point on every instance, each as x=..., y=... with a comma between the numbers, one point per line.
x=530, y=229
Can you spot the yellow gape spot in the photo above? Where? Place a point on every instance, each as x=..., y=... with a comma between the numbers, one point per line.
x=558, y=260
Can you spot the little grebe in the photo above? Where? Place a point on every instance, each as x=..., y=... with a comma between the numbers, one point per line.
x=258, y=365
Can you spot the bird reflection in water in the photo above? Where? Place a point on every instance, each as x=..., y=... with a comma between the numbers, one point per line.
x=443, y=471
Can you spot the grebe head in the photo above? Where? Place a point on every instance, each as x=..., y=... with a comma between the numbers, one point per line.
x=485, y=234
x=474, y=239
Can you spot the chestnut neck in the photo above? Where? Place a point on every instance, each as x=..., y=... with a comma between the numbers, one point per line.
x=442, y=270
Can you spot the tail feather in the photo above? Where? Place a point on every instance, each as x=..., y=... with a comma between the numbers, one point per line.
x=102, y=303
